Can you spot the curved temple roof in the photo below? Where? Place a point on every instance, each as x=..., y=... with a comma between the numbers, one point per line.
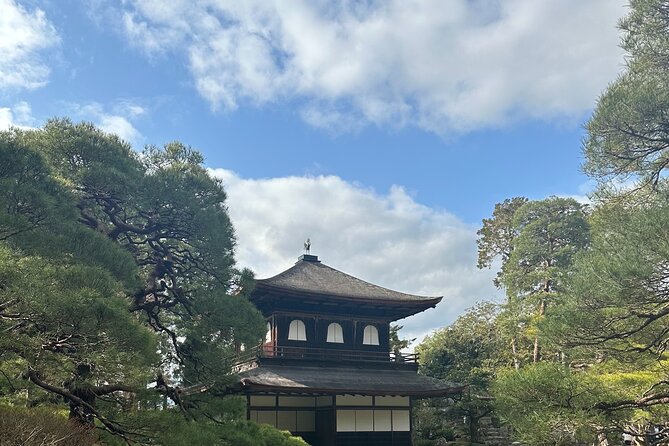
x=321, y=380
x=310, y=276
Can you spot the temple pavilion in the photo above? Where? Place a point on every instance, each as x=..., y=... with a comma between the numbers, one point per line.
x=325, y=371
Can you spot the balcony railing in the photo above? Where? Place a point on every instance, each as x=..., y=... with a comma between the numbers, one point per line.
x=325, y=354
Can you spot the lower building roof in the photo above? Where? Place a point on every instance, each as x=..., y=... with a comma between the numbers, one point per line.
x=343, y=380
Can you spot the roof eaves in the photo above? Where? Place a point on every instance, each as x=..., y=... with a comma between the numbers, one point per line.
x=413, y=299
x=250, y=385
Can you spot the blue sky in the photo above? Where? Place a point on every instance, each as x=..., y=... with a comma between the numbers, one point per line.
x=385, y=131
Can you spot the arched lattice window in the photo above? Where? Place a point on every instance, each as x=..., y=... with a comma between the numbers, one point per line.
x=335, y=333
x=370, y=336
x=297, y=331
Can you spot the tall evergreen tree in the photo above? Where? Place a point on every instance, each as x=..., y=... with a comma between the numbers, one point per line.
x=536, y=241
x=117, y=281
x=612, y=312
x=628, y=134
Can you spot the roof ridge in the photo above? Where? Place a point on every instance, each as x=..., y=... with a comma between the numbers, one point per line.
x=317, y=277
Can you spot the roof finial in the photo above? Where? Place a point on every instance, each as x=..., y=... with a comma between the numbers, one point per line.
x=307, y=246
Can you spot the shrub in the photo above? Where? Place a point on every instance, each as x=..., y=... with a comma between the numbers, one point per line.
x=41, y=427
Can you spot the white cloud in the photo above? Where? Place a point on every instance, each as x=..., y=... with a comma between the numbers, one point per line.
x=444, y=66
x=119, y=126
x=20, y=116
x=583, y=199
x=331, y=119
x=117, y=119
x=130, y=108
x=24, y=38
x=389, y=239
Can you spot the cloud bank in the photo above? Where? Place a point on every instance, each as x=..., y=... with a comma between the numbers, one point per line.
x=25, y=36
x=19, y=116
x=387, y=239
x=117, y=118
x=443, y=66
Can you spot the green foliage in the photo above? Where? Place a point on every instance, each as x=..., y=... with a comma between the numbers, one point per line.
x=614, y=312
x=424, y=442
x=548, y=404
x=62, y=299
x=398, y=344
x=610, y=326
x=117, y=270
x=548, y=235
x=551, y=404
x=626, y=304
x=469, y=352
x=31, y=198
x=604, y=275
x=536, y=242
x=612, y=306
x=253, y=434
x=68, y=312
x=497, y=234
x=610, y=320
x=84, y=157
x=170, y=428
x=628, y=132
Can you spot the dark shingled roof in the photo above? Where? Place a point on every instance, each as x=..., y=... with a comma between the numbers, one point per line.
x=310, y=276
x=333, y=380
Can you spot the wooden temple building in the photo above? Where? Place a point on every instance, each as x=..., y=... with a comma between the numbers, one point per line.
x=325, y=371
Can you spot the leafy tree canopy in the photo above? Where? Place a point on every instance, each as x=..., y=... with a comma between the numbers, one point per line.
x=536, y=242
x=628, y=134
x=497, y=235
x=548, y=235
x=118, y=290
x=468, y=352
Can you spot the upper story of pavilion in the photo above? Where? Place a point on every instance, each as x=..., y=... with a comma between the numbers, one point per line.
x=317, y=313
